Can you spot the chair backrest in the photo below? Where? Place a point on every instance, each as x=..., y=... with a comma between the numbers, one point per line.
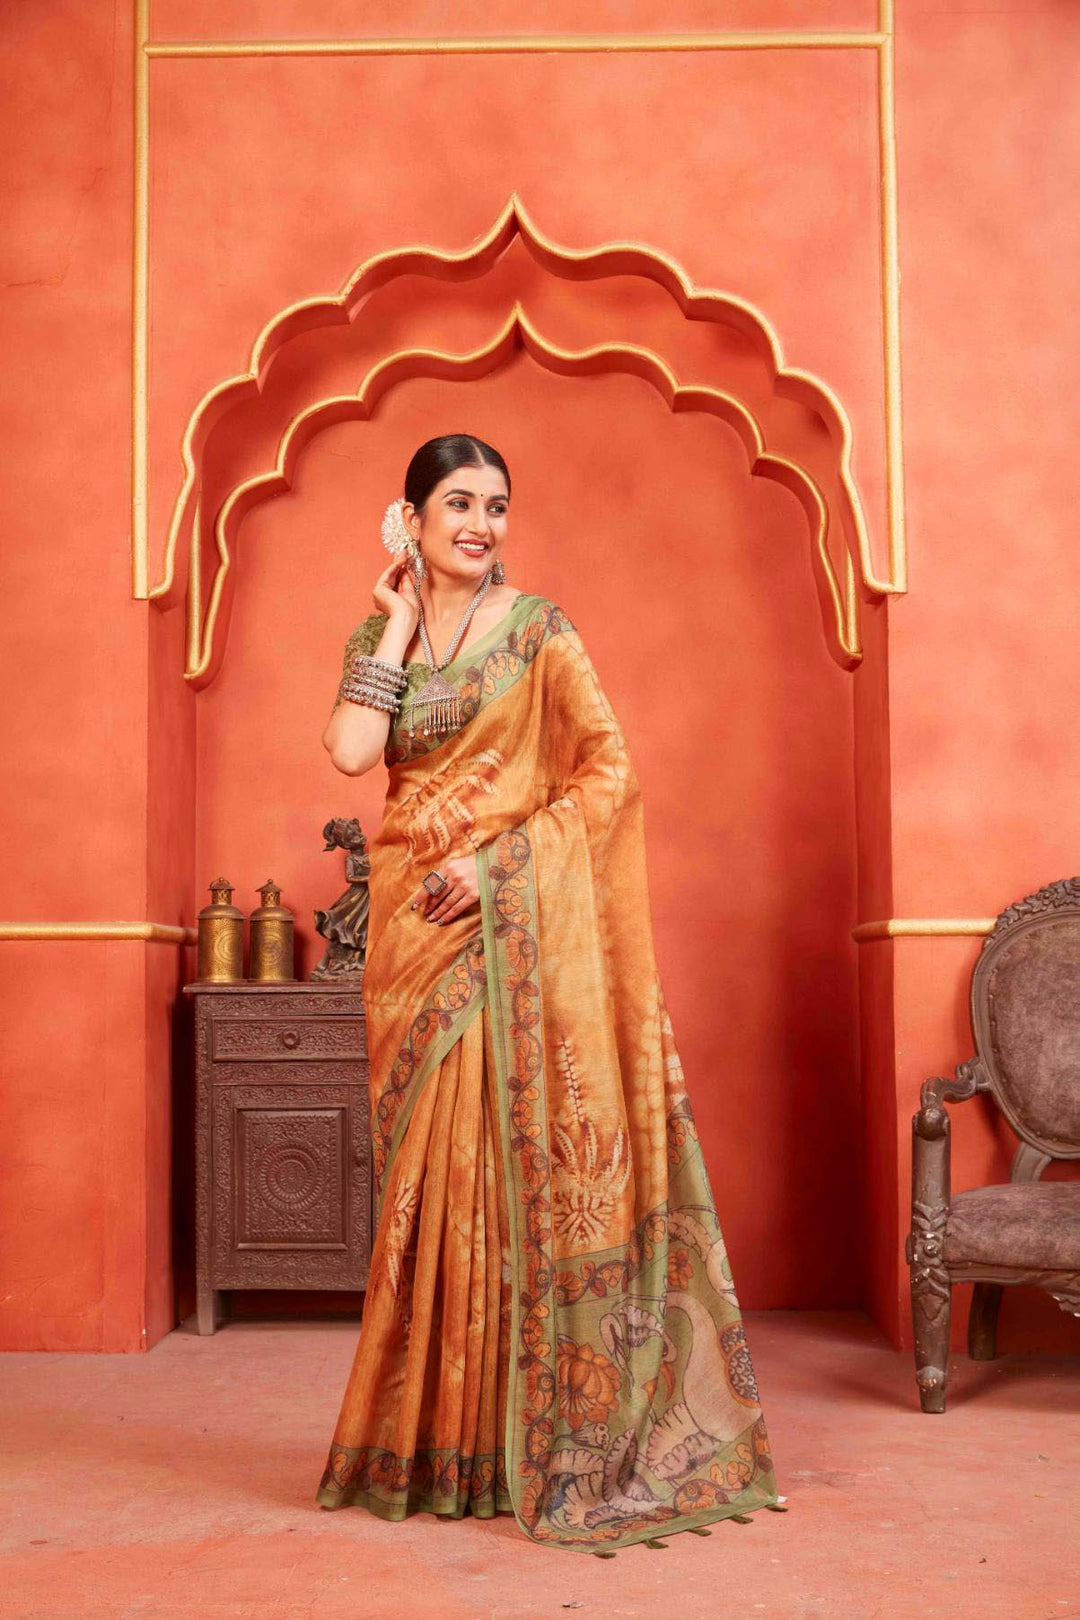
x=1025, y=1014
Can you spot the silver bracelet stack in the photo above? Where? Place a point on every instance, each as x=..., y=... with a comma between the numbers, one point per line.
x=375, y=682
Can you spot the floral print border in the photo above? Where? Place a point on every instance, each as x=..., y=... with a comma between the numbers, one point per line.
x=455, y=994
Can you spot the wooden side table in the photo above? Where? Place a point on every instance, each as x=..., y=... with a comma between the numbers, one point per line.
x=283, y=1179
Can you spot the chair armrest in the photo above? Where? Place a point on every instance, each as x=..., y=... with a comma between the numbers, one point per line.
x=932, y=1120
x=931, y=1187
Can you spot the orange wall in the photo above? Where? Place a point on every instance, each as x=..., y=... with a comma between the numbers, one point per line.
x=74, y=713
x=785, y=798
x=982, y=652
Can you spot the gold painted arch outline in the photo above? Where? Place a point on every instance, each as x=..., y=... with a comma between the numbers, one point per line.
x=839, y=601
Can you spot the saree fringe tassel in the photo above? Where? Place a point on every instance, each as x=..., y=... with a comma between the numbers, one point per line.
x=551, y=1327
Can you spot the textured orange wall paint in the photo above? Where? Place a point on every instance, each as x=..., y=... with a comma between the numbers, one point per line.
x=171, y=897
x=75, y=651
x=342, y=19
x=982, y=652
x=878, y=1232
x=952, y=749
x=73, y=720
x=723, y=160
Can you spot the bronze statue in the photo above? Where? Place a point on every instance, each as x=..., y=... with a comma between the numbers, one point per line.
x=344, y=924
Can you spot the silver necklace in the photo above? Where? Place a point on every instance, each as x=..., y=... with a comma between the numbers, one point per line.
x=437, y=700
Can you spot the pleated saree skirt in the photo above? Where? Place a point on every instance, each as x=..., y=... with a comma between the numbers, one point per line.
x=424, y=1413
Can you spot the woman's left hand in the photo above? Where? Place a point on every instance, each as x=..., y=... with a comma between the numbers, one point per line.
x=462, y=890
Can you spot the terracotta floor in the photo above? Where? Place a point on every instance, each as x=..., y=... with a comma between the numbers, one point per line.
x=180, y=1483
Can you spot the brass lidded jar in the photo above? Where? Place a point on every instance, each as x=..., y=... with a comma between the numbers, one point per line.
x=221, y=937
x=270, y=957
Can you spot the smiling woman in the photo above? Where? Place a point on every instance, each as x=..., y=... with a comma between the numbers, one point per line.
x=550, y=1327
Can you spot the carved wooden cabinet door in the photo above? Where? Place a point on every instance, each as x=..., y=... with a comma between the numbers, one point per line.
x=291, y=1186
x=283, y=1174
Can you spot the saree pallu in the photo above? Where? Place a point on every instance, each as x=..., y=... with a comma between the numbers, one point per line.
x=550, y=1326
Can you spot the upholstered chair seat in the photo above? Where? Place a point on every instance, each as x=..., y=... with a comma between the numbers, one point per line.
x=1025, y=1018
x=1034, y=1224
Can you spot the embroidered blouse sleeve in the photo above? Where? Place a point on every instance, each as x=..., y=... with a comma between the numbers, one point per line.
x=364, y=639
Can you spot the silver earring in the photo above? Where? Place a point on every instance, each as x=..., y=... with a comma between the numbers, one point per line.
x=498, y=572
x=419, y=565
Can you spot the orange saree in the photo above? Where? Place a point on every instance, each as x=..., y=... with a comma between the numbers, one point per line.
x=550, y=1326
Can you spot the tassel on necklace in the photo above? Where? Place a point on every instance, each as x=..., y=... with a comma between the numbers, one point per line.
x=439, y=706
x=437, y=701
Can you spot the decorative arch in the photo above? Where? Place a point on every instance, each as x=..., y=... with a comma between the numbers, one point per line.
x=838, y=598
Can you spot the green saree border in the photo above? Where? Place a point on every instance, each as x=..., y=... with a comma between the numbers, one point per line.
x=490, y=874
x=417, y=1484
x=509, y=910
x=408, y=1077
x=398, y=1512
x=488, y=672
x=436, y=1052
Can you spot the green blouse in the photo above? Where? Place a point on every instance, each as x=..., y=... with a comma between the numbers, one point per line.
x=366, y=637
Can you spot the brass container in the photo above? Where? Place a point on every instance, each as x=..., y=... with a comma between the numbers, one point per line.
x=221, y=937
x=270, y=958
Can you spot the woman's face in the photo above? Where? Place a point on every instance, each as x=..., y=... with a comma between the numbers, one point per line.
x=464, y=525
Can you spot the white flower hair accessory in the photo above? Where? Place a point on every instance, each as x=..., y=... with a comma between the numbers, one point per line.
x=395, y=536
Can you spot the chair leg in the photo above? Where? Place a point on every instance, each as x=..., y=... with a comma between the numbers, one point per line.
x=931, y=1285
x=931, y=1304
x=983, y=1321
x=932, y=1311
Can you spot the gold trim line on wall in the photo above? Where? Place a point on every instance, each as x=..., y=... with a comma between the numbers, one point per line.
x=921, y=928
x=152, y=933
x=177, y=934
x=525, y=44
x=880, y=40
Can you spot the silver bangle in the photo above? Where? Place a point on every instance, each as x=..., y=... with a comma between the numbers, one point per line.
x=372, y=686
x=379, y=672
x=354, y=692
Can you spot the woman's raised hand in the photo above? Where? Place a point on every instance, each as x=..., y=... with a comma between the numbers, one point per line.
x=462, y=890
x=395, y=594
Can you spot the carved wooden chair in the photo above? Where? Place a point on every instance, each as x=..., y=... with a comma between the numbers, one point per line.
x=1025, y=1015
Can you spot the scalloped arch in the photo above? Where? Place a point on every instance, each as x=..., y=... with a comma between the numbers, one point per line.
x=839, y=602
